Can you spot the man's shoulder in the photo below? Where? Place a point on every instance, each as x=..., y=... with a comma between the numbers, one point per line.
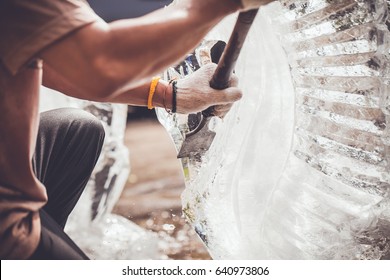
x=27, y=27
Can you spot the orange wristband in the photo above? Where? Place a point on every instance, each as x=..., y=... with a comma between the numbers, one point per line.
x=152, y=90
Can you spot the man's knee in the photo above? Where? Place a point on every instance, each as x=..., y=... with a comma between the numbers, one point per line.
x=72, y=122
x=85, y=123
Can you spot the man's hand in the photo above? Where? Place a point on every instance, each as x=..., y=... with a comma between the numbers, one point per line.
x=194, y=93
x=253, y=4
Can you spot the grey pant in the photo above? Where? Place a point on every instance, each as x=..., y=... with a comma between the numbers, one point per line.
x=68, y=145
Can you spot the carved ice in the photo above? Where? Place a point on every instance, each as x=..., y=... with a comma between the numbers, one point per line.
x=299, y=168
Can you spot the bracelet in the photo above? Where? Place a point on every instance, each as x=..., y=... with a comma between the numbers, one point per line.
x=174, y=93
x=164, y=98
x=152, y=90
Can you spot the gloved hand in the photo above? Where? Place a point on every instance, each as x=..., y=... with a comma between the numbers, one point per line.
x=194, y=93
x=252, y=4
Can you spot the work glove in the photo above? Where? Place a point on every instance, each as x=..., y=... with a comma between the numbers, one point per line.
x=252, y=4
x=194, y=93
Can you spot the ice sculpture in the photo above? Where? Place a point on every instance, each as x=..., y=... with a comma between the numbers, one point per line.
x=101, y=234
x=299, y=167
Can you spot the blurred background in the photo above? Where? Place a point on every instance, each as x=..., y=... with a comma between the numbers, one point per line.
x=119, y=9
x=151, y=196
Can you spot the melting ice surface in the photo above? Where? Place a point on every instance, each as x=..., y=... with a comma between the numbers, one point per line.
x=299, y=168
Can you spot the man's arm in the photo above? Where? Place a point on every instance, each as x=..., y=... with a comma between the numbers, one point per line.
x=193, y=93
x=101, y=61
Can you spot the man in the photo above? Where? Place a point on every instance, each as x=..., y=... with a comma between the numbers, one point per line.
x=67, y=47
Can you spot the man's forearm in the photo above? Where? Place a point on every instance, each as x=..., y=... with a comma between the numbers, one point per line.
x=106, y=60
x=139, y=96
x=193, y=93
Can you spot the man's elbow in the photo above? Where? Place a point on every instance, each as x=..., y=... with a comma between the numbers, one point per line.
x=84, y=84
x=106, y=79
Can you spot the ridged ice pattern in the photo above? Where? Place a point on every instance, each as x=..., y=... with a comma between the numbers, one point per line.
x=338, y=54
x=338, y=64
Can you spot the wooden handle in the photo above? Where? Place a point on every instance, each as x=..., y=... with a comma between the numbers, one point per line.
x=221, y=77
x=229, y=58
